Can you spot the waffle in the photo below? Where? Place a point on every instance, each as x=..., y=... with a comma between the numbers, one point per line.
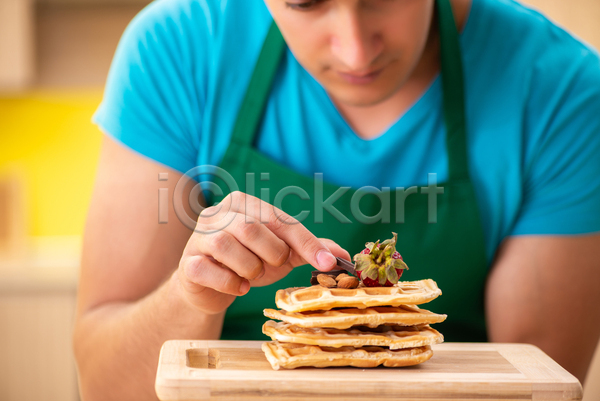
x=290, y=356
x=404, y=315
x=298, y=299
x=394, y=337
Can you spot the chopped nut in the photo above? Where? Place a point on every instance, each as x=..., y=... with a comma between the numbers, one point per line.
x=326, y=281
x=348, y=282
x=341, y=276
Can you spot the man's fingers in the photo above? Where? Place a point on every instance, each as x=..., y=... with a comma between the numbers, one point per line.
x=200, y=271
x=336, y=249
x=301, y=240
x=303, y=243
x=257, y=238
x=225, y=248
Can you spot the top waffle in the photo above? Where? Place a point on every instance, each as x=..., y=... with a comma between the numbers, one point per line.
x=299, y=299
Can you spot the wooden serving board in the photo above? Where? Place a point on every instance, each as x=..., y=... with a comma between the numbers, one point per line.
x=238, y=370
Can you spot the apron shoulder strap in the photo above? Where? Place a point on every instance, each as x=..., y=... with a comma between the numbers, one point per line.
x=453, y=94
x=254, y=102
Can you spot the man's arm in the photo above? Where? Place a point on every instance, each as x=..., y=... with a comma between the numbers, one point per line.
x=143, y=283
x=544, y=290
x=127, y=303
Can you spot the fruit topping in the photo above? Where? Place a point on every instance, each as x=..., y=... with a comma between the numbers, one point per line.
x=379, y=264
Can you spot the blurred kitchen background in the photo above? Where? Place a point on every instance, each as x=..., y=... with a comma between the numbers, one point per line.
x=54, y=57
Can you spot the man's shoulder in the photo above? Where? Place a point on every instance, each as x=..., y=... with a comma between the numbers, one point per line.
x=199, y=35
x=201, y=17
x=198, y=39
x=527, y=33
x=520, y=56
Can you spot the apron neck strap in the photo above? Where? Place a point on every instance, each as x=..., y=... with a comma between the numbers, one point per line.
x=259, y=88
x=270, y=56
x=453, y=93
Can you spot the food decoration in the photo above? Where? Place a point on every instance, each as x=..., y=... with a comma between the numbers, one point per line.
x=343, y=321
x=380, y=265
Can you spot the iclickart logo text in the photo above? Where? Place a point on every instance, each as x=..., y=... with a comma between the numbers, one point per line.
x=266, y=205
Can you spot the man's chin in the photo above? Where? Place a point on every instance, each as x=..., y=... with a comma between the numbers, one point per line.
x=359, y=97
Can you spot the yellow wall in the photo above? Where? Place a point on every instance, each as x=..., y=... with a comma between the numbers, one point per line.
x=48, y=140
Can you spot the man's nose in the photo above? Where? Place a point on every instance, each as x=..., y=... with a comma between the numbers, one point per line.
x=354, y=44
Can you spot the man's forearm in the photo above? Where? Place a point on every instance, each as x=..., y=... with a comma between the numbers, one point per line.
x=117, y=345
x=543, y=290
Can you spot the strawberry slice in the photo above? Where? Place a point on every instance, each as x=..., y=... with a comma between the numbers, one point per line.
x=379, y=264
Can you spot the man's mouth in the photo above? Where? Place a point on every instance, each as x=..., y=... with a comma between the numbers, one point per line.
x=360, y=77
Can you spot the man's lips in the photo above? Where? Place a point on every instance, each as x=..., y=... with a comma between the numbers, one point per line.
x=360, y=78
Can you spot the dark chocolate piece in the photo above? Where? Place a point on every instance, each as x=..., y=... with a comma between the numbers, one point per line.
x=346, y=265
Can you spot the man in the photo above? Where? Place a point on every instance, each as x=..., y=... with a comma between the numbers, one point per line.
x=356, y=97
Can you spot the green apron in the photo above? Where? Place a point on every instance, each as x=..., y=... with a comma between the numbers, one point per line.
x=450, y=251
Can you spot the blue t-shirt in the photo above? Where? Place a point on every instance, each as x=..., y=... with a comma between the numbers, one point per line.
x=533, y=111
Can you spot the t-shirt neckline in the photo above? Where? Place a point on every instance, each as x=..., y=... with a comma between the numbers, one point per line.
x=412, y=115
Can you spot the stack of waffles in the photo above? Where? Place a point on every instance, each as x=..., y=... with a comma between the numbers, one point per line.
x=361, y=327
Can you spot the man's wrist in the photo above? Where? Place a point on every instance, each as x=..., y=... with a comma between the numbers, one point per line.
x=181, y=315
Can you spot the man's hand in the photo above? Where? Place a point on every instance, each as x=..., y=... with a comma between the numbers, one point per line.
x=544, y=291
x=258, y=245
x=137, y=291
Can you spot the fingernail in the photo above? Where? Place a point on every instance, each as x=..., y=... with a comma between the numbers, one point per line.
x=325, y=259
x=245, y=287
x=262, y=273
